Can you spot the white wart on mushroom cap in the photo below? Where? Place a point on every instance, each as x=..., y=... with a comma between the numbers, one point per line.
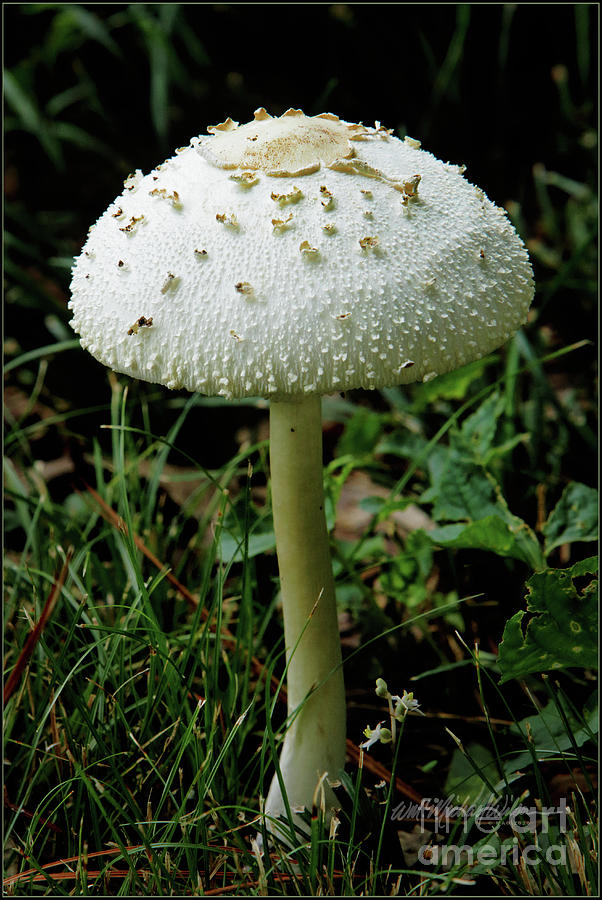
x=293, y=255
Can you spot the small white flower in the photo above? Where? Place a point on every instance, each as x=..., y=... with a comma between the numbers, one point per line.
x=405, y=704
x=376, y=734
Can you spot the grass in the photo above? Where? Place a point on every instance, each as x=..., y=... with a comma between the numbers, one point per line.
x=143, y=642
x=142, y=721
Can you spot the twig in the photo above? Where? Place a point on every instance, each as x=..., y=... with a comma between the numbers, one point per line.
x=35, y=634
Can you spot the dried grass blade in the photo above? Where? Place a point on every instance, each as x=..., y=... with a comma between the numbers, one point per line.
x=34, y=636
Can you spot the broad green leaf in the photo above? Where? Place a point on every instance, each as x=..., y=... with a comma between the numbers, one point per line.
x=451, y=386
x=261, y=537
x=405, y=444
x=260, y=541
x=478, y=430
x=505, y=447
x=261, y=534
x=466, y=783
x=547, y=726
x=418, y=544
x=403, y=579
x=574, y=518
x=372, y=547
x=463, y=492
x=563, y=630
x=336, y=474
x=548, y=733
x=383, y=506
x=508, y=536
x=373, y=505
x=361, y=433
x=476, y=437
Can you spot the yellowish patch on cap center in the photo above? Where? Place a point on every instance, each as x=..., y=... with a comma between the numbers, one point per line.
x=294, y=144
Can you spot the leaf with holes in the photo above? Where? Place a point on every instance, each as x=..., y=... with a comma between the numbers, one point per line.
x=562, y=631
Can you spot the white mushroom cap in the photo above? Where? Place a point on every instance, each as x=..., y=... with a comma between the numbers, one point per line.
x=293, y=255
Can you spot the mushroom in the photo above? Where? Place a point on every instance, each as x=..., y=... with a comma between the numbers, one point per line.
x=435, y=279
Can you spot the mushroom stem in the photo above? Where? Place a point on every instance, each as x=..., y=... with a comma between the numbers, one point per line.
x=315, y=741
